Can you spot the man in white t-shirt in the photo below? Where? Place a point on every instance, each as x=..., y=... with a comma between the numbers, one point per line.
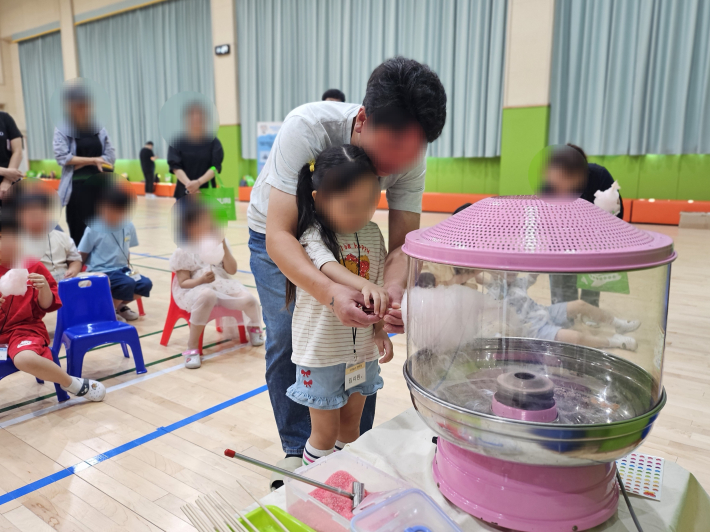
x=404, y=109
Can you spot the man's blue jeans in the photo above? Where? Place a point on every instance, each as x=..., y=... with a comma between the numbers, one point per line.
x=292, y=419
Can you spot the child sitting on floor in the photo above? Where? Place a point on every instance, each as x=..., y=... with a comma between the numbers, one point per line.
x=105, y=247
x=203, y=276
x=23, y=336
x=337, y=366
x=551, y=322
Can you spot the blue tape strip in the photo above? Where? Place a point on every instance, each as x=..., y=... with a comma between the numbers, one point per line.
x=161, y=431
x=149, y=256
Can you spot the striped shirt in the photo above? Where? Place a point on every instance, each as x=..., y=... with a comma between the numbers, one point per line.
x=319, y=339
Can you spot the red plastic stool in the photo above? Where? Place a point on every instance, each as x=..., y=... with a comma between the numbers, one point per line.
x=175, y=313
x=139, y=302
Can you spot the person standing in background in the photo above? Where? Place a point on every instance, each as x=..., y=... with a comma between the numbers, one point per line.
x=333, y=95
x=147, y=158
x=82, y=148
x=10, y=153
x=569, y=173
x=196, y=154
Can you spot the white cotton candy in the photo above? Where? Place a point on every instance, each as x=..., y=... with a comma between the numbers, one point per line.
x=449, y=317
x=211, y=251
x=14, y=282
x=608, y=200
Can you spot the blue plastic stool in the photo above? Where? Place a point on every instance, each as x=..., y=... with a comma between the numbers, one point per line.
x=87, y=319
x=8, y=368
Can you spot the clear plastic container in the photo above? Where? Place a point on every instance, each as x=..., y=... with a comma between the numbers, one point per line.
x=317, y=515
x=536, y=330
x=409, y=511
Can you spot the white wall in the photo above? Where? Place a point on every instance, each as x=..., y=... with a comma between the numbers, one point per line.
x=528, y=53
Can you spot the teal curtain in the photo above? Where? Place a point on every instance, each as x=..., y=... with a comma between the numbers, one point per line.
x=631, y=76
x=141, y=58
x=290, y=52
x=42, y=73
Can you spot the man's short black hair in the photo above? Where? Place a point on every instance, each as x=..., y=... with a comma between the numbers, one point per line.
x=150, y=142
x=401, y=91
x=334, y=93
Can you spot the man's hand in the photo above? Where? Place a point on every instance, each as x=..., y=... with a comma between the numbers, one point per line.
x=99, y=163
x=11, y=174
x=193, y=187
x=384, y=346
x=393, y=319
x=344, y=304
x=4, y=187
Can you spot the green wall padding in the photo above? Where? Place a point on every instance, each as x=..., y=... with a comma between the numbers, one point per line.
x=234, y=167
x=694, y=177
x=131, y=167
x=523, y=135
x=659, y=176
x=463, y=175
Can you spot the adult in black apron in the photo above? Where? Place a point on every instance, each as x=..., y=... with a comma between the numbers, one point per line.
x=194, y=153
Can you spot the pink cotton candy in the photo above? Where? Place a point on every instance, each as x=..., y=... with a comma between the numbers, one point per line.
x=337, y=503
x=14, y=282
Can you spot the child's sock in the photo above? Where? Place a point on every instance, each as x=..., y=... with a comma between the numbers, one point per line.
x=311, y=454
x=75, y=386
x=339, y=446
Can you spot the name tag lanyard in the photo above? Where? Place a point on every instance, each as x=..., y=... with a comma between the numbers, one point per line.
x=354, y=371
x=130, y=273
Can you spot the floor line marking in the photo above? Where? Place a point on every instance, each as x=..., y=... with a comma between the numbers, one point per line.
x=160, y=431
x=77, y=400
x=107, y=377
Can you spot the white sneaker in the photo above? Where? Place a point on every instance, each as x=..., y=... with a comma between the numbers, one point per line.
x=256, y=336
x=624, y=342
x=193, y=360
x=120, y=318
x=126, y=313
x=626, y=326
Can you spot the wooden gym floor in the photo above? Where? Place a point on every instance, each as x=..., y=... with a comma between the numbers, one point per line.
x=110, y=466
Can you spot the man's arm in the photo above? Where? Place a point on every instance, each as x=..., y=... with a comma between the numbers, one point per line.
x=294, y=263
x=400, y=223
x=11, y=174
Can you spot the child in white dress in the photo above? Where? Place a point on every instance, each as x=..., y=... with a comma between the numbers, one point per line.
x=203, y=265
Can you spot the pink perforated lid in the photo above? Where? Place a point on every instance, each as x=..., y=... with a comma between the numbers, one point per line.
x=526, y=233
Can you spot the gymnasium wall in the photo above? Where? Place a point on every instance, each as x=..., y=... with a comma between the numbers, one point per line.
x=525, y=122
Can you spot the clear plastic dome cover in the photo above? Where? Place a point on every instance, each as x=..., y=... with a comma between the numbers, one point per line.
x=560, y=368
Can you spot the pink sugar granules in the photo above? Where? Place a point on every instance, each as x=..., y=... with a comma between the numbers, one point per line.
x=337, y=503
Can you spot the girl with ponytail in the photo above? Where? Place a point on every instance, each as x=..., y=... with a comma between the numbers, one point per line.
x=337, y=366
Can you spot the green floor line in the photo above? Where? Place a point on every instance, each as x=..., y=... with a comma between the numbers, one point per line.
x=42, y=398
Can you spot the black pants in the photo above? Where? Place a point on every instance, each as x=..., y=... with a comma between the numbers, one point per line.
x=149, y=182
x=563, y=288
x=80, y=208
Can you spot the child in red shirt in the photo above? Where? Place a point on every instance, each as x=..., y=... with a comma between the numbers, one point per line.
x=21, y=325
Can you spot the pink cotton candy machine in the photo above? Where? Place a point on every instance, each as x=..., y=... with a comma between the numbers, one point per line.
x=535, y=334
